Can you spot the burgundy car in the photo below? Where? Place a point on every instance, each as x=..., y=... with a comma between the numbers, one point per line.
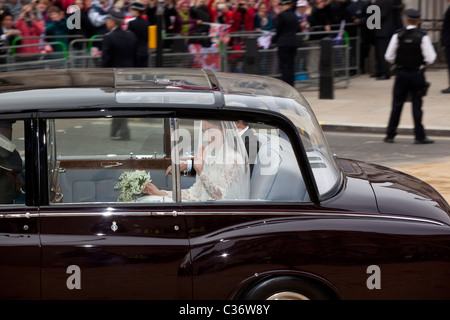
x=189, y=184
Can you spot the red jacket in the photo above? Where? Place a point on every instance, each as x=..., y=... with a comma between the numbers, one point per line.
x=36, y=30
x=242, y=22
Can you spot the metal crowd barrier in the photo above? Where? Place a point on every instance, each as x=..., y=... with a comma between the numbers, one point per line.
x=233, y=57
x=191, y=52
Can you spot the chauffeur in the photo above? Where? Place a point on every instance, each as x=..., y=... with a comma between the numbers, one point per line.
x=410, y=50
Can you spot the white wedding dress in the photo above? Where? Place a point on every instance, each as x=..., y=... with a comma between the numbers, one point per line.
x=226, y=174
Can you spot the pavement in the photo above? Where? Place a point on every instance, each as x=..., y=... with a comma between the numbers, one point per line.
x=365, y=106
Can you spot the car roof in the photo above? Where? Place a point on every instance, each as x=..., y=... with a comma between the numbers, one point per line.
x=45, y=90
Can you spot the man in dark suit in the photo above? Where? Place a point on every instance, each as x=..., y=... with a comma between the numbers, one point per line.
x=250, y=141
x=287, y=27
x=357, y=18
x=139, y=27
x=10, y=165
x=118, y=46
x=445, y=40
x=118, y=51
x=382, y=37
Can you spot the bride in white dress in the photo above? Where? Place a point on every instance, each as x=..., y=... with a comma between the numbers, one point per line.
x=221, y=165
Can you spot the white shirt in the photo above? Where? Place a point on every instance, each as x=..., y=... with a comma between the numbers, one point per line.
x=241, y=133
x=428, y=52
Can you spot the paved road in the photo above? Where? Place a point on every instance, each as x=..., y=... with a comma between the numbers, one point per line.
x=371, y=148
x=430, y=163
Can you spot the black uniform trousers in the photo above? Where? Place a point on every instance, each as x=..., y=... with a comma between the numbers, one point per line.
x=286, y=60
x=407, y=82
x=447, y=54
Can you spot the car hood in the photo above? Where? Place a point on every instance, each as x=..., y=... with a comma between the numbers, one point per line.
x=402, y=194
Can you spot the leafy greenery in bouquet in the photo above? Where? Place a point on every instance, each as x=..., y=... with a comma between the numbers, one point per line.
x=131, y=183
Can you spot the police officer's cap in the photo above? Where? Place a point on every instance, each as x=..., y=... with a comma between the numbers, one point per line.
x=137, y=6
x=412, y=14
x=116, y=15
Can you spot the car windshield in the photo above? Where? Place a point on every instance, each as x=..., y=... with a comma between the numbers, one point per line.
x=322, y=162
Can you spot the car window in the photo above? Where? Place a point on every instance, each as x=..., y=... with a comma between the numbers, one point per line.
x=167, y=160
x=323, y=165
x=12, y=162
x=237, y=160
x=88, y=156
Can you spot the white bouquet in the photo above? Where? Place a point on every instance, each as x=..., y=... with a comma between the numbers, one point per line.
x=131, y=183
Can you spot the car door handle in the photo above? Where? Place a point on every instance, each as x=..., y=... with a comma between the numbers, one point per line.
x=111, y=164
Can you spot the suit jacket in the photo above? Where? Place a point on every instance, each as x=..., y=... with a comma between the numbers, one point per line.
x=287, y=27
x=387, y=19
x=249, y=138
x=119, y=49
x=139, y=27
x=445, y=38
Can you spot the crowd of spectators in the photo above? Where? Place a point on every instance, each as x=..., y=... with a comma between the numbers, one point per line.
x=34, y=18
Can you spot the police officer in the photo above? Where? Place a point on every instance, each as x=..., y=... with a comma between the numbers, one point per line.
x=410, y=50
x=139, y=26
x=118, y=46
x=287, y=27
x=119, y=49
x=445, y=41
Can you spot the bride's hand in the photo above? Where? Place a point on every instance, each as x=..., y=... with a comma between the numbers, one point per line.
x=153, y=190
x=199, y=159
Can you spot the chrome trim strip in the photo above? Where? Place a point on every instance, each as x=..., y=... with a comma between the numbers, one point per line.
x=102, y=214
x=20, y=215
x=359, y=215
x=222, y=213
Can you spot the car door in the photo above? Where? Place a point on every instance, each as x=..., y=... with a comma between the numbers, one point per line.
x=19, y=237
x=95, y=246
x=233, y=234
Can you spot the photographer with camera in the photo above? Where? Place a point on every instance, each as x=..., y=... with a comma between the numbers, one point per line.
x=29, y=27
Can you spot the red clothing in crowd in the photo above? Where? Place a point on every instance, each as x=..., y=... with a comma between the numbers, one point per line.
x=36, y=29
x=240, y=21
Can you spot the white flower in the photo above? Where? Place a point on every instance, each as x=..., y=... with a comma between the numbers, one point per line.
x=131, y=183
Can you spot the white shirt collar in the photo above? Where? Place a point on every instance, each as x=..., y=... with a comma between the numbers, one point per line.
x=243, y=131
